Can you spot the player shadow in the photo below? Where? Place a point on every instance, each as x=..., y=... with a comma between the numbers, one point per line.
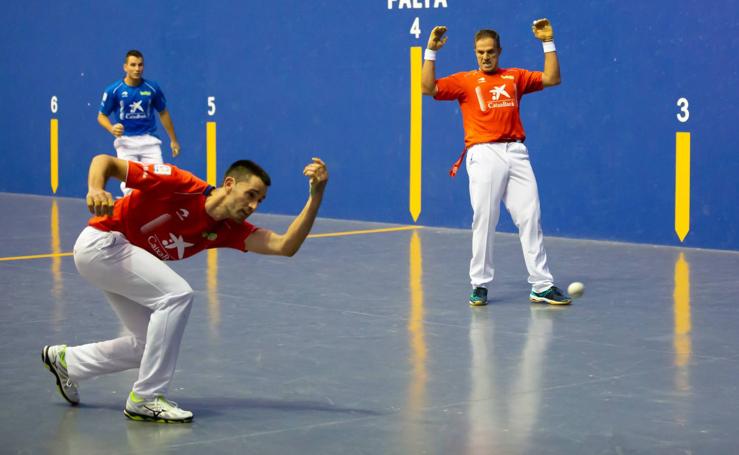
x=207, y=406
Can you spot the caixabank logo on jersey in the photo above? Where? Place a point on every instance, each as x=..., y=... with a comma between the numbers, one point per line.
x=496, y=97
x=135, y=111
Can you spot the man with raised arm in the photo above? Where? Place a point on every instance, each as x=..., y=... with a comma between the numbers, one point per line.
x=169, y=215
x=497, y=160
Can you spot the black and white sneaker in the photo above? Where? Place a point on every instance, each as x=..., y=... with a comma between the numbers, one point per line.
x=157, y=409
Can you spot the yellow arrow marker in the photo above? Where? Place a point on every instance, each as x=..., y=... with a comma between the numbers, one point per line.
x=54, y=146
x=682, y=184
x=414, y=203
x=210, y=142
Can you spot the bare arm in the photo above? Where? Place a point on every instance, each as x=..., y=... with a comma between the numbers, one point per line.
x=116, y=130
x=544, y=32
x=264, y=241
x=102, y=167
x=428, y=72
x=169, y=126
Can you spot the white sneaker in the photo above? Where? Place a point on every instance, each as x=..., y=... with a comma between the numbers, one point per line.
x=53, y=358
x=158, y=409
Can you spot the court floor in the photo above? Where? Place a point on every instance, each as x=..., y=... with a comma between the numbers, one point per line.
x=363, y=343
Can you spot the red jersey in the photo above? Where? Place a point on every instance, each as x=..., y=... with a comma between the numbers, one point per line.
x=490, y=102
x=165, y=214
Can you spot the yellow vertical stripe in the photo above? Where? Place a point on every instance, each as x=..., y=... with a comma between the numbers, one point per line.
x=210, y=141
x=414, y=204
x=682, y=184
x=54, y=146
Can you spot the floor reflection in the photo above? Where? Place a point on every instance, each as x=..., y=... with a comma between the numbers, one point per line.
x=682, y=344
x=413, y=433
x=214, y=304
x=493, y=427
x=56, y=262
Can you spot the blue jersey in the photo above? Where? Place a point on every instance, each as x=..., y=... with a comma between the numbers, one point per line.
x=133, y=106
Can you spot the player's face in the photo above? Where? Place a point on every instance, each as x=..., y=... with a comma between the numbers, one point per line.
x=487, y=52
x=245, y=197
x=134, y=67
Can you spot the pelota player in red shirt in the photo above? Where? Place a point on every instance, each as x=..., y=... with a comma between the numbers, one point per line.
x=497, y=160
x=169, y=215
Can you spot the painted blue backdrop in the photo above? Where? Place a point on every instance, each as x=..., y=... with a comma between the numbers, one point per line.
x=294, y=79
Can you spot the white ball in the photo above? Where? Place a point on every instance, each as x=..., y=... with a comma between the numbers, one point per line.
x=576, y=289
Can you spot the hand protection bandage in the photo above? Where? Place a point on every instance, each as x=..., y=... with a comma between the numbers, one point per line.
x=429, y=55
x=548, y=46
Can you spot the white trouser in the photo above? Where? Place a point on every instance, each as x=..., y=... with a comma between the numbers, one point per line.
x=144, y=149
x=150, y=299
x=501, y=171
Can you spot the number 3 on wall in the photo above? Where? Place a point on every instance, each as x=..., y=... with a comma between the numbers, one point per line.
x=684, y=114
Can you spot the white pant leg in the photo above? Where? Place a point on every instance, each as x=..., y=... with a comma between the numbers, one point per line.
x=487, y=168
x=521, y=198
x=114, y=355
x=116, y=266
x=145, y=149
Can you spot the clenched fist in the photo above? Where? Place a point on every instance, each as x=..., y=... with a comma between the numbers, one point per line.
x=437, y=38
x=542, y=29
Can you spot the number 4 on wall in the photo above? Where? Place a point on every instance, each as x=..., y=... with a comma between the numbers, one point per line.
x=416, y=27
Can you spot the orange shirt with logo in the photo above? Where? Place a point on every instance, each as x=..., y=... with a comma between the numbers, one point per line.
x=490, y=102
x=165, y=214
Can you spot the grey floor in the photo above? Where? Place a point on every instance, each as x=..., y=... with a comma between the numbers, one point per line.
x=364, y=344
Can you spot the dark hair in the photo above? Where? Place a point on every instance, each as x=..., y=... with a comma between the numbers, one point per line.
x=133, y=53
x=241, y=171
x=487, y=33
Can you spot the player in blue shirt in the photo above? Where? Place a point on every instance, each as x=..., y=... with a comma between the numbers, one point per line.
x=132, y=101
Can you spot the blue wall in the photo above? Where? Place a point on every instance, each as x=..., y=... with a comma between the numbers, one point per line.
x=293, y=79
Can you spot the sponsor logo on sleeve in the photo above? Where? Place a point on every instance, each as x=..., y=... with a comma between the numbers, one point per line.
x=162, y=169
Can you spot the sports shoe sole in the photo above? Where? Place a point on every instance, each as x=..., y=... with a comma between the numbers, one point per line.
x=144, y=418
x=550, y=302
x=478, y=303
x=50, y=367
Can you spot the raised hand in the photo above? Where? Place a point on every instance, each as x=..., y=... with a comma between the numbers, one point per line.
x=437, y=38
x=542, y=29
x=317, y=174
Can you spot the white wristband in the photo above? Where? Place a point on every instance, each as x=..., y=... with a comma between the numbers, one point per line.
x=429, y=55
x=548, y=46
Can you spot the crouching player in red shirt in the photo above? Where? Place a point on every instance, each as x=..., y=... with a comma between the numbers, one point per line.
x=170, y=215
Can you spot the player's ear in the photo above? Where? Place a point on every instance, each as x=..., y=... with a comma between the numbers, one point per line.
x=228, y=184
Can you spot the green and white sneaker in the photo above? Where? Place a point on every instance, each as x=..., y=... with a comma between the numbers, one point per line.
x=552, y=296
x=53, y=358
x=158, y=409
x=479, y=297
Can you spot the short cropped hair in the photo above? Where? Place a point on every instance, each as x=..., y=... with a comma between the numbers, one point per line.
x=241, y=171
x=487, y=33
x=133, y=53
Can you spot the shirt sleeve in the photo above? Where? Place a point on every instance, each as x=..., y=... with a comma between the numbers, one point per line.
x=106, y=104
x=159, y=100
x=155, y=178
x=450, y=87
x=234, y=235
x=530, y=81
